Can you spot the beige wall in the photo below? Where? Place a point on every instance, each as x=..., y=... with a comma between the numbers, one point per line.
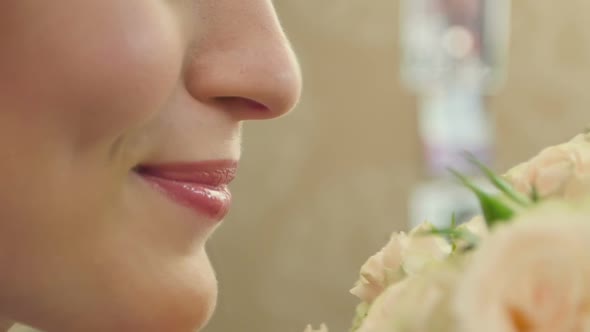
x=320, y=190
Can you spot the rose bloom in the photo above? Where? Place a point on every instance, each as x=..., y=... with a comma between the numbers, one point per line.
x=531, y=275
x=476, y=227
x=558, y=171
x=419, y=303
x=404, y=254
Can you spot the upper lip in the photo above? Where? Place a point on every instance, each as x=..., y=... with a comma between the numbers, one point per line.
x=214, y=173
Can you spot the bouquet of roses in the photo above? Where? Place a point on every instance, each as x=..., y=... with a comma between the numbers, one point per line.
x=522, y=266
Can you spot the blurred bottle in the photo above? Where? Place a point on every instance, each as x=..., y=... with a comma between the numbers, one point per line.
x=453, y=122
x=452, y=58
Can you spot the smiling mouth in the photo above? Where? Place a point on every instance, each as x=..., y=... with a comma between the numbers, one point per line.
x=199, y=186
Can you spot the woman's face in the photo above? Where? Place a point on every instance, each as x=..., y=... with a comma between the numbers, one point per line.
x=116, y=119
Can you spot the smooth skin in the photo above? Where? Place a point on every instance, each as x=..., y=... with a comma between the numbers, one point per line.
x=89, y=90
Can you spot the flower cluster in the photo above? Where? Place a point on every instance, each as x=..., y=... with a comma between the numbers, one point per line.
x=524, y=266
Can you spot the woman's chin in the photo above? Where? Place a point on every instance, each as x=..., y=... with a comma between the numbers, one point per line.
x=187, y=312
x=183, y=301
x=179, y=297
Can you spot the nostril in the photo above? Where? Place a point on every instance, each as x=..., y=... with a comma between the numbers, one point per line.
x=242, y=104
x=255, y=105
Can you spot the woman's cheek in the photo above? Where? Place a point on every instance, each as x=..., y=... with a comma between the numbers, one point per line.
x=124, y=74
x=89, y=70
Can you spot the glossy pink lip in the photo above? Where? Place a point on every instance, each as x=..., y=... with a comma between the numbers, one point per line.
x=201, y=186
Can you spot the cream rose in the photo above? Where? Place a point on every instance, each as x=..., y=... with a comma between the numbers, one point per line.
x=417, y=304
x=558, y=171
x=532, y=275
x=404, y=254
x=476, y=228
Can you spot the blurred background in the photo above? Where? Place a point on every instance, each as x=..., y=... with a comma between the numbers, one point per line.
x=394, y=92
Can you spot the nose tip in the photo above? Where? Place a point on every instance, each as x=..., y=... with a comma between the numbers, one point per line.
x=272, y=80
x=262, y=72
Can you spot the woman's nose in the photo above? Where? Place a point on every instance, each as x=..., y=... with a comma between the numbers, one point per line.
x=242, y=60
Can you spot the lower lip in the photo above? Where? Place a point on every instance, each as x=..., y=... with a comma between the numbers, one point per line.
x=213, y=202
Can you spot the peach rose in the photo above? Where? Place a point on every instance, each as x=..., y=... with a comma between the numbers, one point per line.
x=404, y=254
x=532, y=275
x=419, y=303
x=323, y=328
x=476, y=227
x=558, y=171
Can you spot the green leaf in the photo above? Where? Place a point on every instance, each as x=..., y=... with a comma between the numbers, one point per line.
x=499, y=183
x=455, y=234
x=361, y=313
x=494, y=209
